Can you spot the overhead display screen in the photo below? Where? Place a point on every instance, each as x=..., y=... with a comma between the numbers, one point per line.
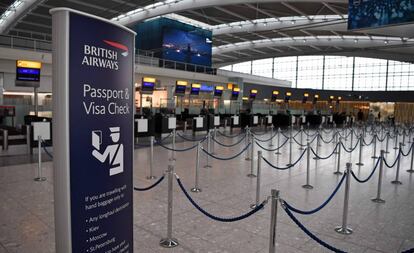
x=235, y=93
x=218, y=91
x=378, y=13
x=188, y=47
x=28, y=71
x=180, y=87
x=253, y=94
x=195, y=89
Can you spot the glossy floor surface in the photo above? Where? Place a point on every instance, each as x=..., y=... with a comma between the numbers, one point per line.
x=27, y=219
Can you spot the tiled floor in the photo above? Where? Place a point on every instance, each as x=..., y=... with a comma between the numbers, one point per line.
x=26, y=211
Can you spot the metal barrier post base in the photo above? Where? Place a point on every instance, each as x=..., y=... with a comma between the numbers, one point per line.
x=410, y=171
x=396, y=182
x=307, y=186
x=168, y=243
x=39, y=179
x=316, y=158
x=195, y=189
x=344, y=231
x=378, y=200
x=151, y=177
x=253, y=206
x=359, y=164
x=207, y=166
x=278, y=153
x=374, y=157
x=288, y=164
x=338, y=173
x=247, y=159
x=251, y=175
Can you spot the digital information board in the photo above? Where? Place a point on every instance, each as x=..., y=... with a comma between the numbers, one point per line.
x=93, y=67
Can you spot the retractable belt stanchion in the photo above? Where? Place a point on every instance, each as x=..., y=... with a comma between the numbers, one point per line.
x=403, y=135
x=397, y=173
x=411, y=170
x=258, y=174
x=290, y=146
x=344, y=229
x=196, y=183
x=352, y=138
x=208, y=150
x=169, y=241
x=29, y=139
x=308, y=185
x=278, y=142
x=374, y=155
x=361, y=147
x=378, y=198
x=338, y=165
x=5, y=139
x=318, y=137
x=273, y=220
x=213, y=151
x=39, y=177
x=251, y=174
x=185, y=127
x=271, y=135
x=301, y=138
x=151, y=175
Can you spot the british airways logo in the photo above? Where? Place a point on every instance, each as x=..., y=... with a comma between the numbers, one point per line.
x=101, y=57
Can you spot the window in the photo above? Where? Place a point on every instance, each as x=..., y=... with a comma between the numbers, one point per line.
x=285, y=69
x=400, y=76
x=338, y=73
x=370, y=74
x=310, y=72
x=262, y=67
x=244, y=67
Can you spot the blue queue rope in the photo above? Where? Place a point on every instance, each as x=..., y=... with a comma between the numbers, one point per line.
x=46, y=151
x=310, y=234
x=361, y=181
x=329, y=156
x=230, y=136
x=287, y=167
x=216, y=218
x=271, y=150
x=293, y=209
x=395, y=162
x=408, y=251
x=229, y=145
x=151, y=186
x=226, y=158
x=367, y=144
x=352, y=149
x=266, y=140
x=177, y=150
x=327, y=142
x=298, y=143
x=191, y=139
x=408, y=152
x=258, y=134
x=310, y=135
x=382, y=138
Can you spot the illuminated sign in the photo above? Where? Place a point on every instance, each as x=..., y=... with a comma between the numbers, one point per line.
x=253, y=94
x=195, y=89
x=29, y=64
x=218, y=91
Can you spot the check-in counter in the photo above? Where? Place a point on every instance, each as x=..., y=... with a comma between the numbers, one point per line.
x=165, y=123
x=281, y=120
x=199, y=123
x=144, y=127
x=268, y=120
x=235, y=121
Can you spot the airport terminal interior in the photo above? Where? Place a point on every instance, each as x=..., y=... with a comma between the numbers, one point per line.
x=239, y=126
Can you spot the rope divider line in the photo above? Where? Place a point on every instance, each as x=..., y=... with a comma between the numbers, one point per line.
x=395, y=162
x=287, y=167
x=329, y=156
x=226, y=158
x=352, y=149
x=408, y=152
x=335, y=191
x=46, y=151
x=151, y=186
x=271, y=137
x=272, y=150
x=214, y=217
x=189, y=139
x=228, y=145
x=178, y=150
x=361, y=181
x=304, y=229
x=230, y=136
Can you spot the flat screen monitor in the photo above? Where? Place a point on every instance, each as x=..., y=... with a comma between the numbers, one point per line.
x=218, y=93
x=180, y=89
x=27, y=74
x=235, y=95
x=195, y=91
x=146, y=86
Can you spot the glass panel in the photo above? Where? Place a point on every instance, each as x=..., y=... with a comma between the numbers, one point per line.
x=262, y=67
x=285, y=69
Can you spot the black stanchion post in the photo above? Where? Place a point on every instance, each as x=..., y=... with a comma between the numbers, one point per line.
x=308, y=185
x=258, y=173
x=278, y=142
x=169, y=241
x=344, y=229
x=374, y=155
x=411, y=170
x=338, y=165
x=361, y=147
x=397, y=173
x=273, y=220
x=151, y=175
x=196, y=183
x=39, y=177
x=378, y=198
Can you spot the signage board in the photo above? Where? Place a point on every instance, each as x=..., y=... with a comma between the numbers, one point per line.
x=93, y=66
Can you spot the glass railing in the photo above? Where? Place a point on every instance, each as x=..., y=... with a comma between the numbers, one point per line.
x=143, y=57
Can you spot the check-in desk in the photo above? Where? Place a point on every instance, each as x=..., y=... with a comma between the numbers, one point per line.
x=144, y=127
x=165, y=123
x=199, y=123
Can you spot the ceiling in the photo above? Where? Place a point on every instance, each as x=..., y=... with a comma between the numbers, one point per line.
x=242, y=29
